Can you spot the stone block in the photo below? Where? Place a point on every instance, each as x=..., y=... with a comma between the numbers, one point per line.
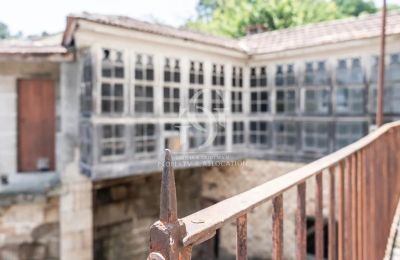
x=9, y=252
x=77, y=220
x=119, y=192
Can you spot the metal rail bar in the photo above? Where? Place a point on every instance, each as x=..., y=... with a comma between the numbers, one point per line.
x=241, y=238
x=319, y=221
x=367, y=173
x=301, y=229
x=332, y=217
x=277, y=227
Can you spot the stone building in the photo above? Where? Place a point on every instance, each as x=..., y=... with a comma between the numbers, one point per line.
x=85, y=120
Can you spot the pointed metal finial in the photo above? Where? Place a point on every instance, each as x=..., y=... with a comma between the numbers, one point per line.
x=168, y=204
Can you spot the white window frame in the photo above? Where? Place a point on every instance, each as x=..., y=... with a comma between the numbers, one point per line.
x=116, y=61
x=238, y=134
x=145, y=141
x=147, y=63
x=311, y=130
x=258, y=133
x=114, y=142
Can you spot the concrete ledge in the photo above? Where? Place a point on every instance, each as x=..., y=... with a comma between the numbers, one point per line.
x=29, y=183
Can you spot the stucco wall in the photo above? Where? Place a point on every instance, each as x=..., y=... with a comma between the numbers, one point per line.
x=8, y=126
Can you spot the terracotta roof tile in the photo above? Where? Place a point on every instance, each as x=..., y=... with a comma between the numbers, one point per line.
x=31, y=49
x=321, y=33
x=169, y=31
x=362, y=27
x=269, y=42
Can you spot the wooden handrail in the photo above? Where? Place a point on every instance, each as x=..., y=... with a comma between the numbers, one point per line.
x=355, y=175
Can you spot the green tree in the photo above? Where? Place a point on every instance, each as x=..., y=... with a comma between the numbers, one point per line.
x=4, y=32
x=227, y=18
x=279, y=14
x=356, y=7
x=205, y=8
x=232, y=17
x=393, y=7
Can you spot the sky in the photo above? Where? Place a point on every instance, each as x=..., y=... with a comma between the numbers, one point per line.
x=35, y=16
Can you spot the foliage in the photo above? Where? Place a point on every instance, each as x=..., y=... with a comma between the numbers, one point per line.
x=4, y=32
x=224, y=17
x=279, y=14
x=232, y=17
x=393, y=7
x=356, y=7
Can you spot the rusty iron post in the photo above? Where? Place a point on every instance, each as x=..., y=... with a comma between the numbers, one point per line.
x=381, y=80
x=167, y=233
x=301, y=225
x=319, y=221
x=241, y=238
x=277, y=227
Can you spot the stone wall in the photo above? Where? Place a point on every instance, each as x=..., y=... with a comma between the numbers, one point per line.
x=29, y=228
x=124, y=211
x=76, y=214
x=224, y=182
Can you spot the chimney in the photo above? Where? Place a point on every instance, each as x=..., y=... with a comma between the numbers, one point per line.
x=255, y=28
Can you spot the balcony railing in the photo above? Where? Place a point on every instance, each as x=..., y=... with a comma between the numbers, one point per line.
x=364, y=190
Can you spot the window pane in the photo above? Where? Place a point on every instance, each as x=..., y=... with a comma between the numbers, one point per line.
x=105, y=89
x=119, y=72
x=118, y=90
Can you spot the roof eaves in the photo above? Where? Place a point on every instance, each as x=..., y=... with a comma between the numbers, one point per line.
x=212, y=40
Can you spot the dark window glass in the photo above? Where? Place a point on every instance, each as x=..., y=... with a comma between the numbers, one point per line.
x=192, y=73
x=119, y=72
x=263, y=77
x=139, y=68
x=253, y=77
x=177, y=74
x=279, y=81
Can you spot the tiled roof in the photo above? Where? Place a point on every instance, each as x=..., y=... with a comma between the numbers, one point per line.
x=18, y=50
x=269, y=42
x=32, y=49
x=169, y=31
x=366, y=26
x=322, y=33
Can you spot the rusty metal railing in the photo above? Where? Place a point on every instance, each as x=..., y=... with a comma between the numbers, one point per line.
x=364, y=189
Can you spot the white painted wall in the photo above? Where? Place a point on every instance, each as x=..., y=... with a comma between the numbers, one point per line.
x=8, y=125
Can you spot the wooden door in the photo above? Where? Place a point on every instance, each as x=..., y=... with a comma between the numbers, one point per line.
x=36, y=125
